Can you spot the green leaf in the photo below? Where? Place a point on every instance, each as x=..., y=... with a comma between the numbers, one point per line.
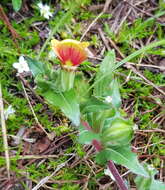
x=149, y=183
x=114, y=93
x=86, y=136
x=35, y=66
x=123, y=156
x=108, y=62
x=16, y=4
x=45, y=85
x=128, y=58
x=67, y=102
x=101, y=157
x=94, y=105
x=104, y=75
x=157, y=185
x=81, y=86
x=97, y=119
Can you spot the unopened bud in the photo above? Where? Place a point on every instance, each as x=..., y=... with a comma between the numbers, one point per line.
x=118, y=133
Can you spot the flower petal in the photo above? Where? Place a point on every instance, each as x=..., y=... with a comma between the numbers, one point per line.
x=22, y=59
x=16, y=65
x=40, y=5
x=70, y=52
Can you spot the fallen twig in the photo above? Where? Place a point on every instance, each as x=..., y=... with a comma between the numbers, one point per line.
x=44, y=180
x=4, y=133
x=35, y=117
x=31, y=89
x=104, y=39
x=95, y=20
x=6, y=21
x=144, y=78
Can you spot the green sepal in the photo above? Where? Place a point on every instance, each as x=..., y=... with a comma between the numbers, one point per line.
x=66, y=79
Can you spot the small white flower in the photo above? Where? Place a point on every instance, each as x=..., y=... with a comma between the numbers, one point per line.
x=107, y=172
x=44, y=10
x=108, y=99
x=22, y=65
x=8, y=112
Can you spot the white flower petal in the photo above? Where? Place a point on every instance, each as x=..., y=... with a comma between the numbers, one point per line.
x=22, y=65
x=40, y=5
x=46, y=16
x=26, y=68
x=16, y=65
x=21, y=59
x=45, y=10
x=20, y=70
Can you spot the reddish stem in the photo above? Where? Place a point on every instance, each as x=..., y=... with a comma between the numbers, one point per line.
x=97, y=145
x=86, y=125
x=116, y=175
x=111, y=165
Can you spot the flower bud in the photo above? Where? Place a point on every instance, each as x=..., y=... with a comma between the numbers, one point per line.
x=118, y=133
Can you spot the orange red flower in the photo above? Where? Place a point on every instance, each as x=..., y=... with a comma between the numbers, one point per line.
x=71, y=53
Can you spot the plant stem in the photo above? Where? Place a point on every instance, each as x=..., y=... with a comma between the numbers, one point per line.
x=111, y=165
x=97, y=145
x=116, y=175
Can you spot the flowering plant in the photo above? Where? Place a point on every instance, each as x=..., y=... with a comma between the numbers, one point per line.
x=93, y=109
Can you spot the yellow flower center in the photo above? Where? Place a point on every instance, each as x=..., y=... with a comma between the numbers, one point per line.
x=69, y=63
